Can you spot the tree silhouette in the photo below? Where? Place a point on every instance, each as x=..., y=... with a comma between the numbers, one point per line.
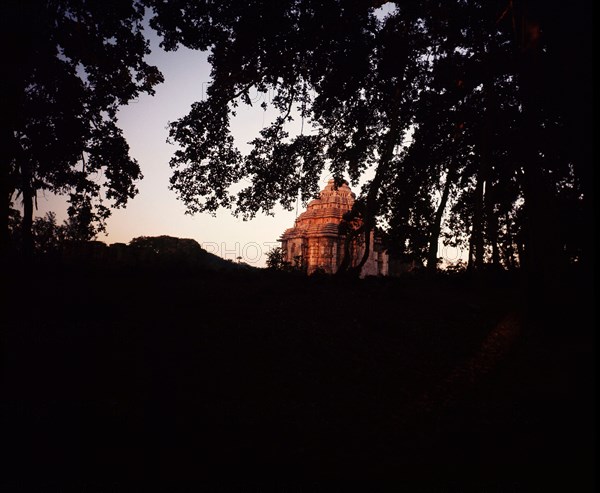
x=71, y=64
x=276, y=259
x=476, y=83
x=347, y=73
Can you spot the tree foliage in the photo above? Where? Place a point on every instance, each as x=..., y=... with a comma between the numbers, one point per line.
x=500, y=158
x=474, y=83
x=347, y=73
x=276, y=259
x=49, y=237
x=72, y=63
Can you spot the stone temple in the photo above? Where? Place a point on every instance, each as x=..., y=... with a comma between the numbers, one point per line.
x=315, y=243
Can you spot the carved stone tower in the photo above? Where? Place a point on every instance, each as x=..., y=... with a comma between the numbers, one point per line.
x=315, y=243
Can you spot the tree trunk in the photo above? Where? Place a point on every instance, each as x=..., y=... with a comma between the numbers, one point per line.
x=541, y=243
x=4, y=208
x=492, y=228
x=483, y=203
x=471, y=258
x=345, y=263
x=488, y=200
x=477, y=230
x=367, y=239
x=437, y=223
x=27, y=222
x=542, y=246
x=568, y=32
x=372, y=206
x=6, y=186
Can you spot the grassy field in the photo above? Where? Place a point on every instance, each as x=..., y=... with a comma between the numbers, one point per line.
x=236, y=376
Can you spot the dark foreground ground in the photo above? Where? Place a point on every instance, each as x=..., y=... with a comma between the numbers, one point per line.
x=114, y=379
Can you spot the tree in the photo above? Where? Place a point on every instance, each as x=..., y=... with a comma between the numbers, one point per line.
x=359, y=69
x=472, y=79
x=48, y=236
x=72, y=63
x=276, y=259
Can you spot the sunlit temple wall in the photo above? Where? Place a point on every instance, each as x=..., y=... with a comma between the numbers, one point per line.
x=315, y=243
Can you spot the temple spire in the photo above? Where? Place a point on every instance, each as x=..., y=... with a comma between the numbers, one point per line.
x=315, y=242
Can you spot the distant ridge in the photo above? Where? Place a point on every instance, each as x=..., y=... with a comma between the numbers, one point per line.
x=145, y=252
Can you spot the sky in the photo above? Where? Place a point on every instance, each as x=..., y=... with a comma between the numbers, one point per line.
x=156, y=210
